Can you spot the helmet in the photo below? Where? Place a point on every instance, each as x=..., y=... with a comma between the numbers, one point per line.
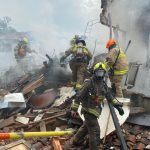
x=99, y=70
x=81, y=41
x=110, y=43
x=26, y=40
x=100, y=65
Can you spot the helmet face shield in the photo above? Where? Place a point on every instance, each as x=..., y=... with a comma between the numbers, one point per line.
x=100, y=73
x=80, y=44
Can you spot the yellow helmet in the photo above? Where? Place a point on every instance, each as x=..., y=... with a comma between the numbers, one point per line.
x=99, y=71
x=26, y=40
x=100, y=65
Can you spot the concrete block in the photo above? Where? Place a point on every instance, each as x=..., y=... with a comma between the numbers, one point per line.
x=22, y=120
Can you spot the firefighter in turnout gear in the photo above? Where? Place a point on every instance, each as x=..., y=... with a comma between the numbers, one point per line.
x=79, y=61
x=117, y=61
x=91, y=97
x=22, y=49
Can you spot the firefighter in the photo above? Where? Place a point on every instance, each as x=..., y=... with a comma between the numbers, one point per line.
x=117, y=61
x=91, y=96
x=79, y=61
x=22, y=49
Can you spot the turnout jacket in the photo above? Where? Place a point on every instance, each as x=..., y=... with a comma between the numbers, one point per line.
x=91, y=96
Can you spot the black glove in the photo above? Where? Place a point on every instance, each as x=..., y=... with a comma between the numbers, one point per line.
x=120, y=109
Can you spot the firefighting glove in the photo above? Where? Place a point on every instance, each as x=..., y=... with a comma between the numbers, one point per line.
x=118, y=106
x=120, y=109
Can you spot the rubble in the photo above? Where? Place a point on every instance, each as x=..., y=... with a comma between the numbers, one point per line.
x=49, y=108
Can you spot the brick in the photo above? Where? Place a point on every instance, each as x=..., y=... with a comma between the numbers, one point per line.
x=145, y=141
x=116, y=142
x=131, y=138
x=139, y=146
x=7, y=122
x=130, y=145
x=136, y=130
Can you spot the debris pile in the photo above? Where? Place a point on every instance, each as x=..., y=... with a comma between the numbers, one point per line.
x=48, y=109
x=137, y=137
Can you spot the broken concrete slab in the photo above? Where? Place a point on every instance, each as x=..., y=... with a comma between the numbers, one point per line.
x=38, y=117
x=7, y=122
x=22, y=120
x=140, y=119
x=65, y=92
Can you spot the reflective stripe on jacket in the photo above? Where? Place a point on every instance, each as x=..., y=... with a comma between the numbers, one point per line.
x=121, y=65
x=91, y=101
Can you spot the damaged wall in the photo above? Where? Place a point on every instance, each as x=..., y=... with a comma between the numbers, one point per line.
x=134, y=17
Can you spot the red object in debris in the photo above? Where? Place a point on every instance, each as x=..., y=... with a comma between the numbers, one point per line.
x=43, y=100
x=131, y=138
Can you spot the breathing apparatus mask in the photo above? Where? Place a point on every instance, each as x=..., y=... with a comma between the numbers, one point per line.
x=80, y=44
x=99, y=74
x=99, y=71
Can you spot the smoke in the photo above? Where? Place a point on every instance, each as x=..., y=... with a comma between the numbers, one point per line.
x=133, y=17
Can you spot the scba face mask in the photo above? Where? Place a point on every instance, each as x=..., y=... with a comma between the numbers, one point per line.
x=100, y=73
x=80, y=44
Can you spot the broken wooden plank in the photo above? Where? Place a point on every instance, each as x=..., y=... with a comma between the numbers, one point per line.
x=7, y=122
x=56, y=144
x=46, y=119
x=42, y=126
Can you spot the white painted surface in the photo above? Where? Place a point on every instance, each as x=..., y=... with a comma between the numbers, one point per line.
x=104, y=117
x=65, y=92
x=22, y=120
x=13, y=100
